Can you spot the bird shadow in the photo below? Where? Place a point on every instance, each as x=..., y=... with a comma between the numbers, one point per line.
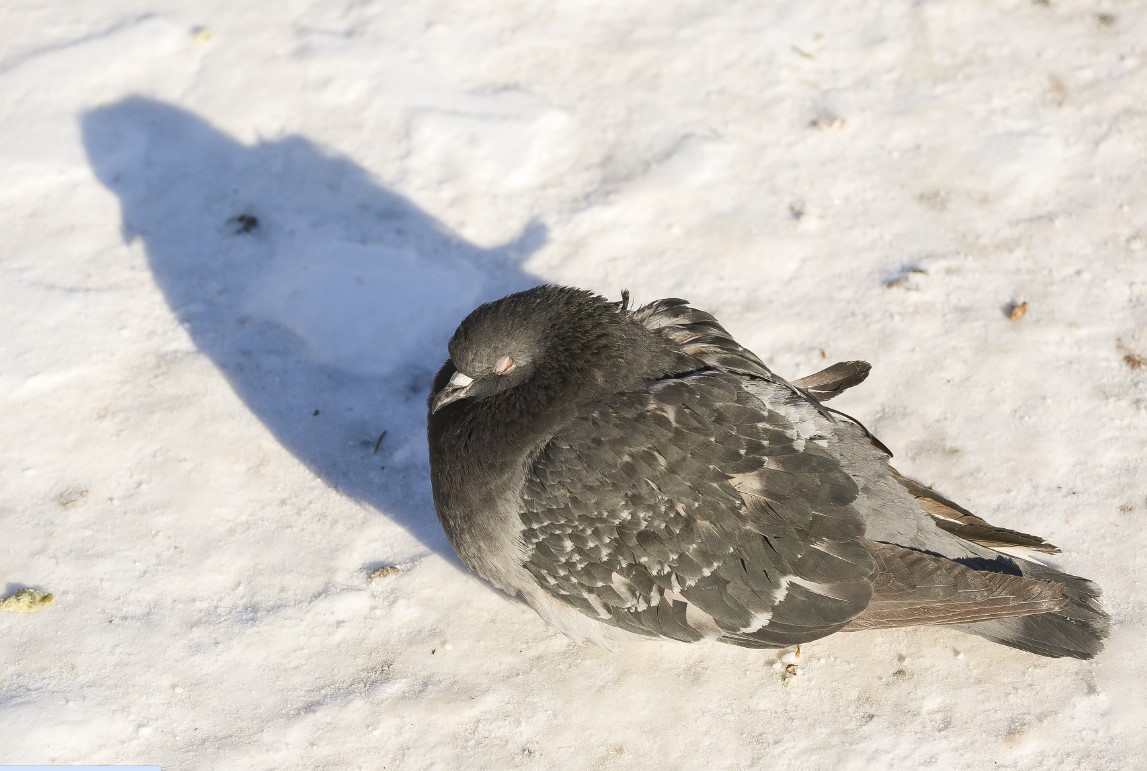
x=324, y=298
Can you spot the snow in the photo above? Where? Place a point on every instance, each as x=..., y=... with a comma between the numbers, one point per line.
x=238, y=236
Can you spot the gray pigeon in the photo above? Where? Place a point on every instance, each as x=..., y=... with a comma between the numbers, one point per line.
x=637, y=473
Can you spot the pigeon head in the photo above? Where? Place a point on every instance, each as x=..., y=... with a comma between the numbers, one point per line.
x=564, y=342
x=550, y=336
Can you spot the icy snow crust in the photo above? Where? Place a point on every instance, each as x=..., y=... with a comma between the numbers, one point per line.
x=237, y=238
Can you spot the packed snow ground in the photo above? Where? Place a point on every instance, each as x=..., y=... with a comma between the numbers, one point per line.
x=238, y=236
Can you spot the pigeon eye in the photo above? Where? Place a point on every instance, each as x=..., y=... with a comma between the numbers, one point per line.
x=504, y=365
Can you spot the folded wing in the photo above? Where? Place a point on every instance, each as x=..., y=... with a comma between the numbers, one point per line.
x=691, y=510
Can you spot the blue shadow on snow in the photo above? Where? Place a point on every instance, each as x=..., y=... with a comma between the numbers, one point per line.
x=324, y=298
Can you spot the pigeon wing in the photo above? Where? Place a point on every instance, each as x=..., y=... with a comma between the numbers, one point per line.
x=690, y=510
x=959, y=521
x=698, y=334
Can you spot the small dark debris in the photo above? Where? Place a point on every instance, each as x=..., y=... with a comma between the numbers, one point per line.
x=1016, y=311
x=383, y=572
x=936, y=200
x=381, y=669
x=902, y=280
x=1106, y=19
x=1126, y=507
x=796, y=211
x=378, y=444
x=315, y=414
x=827, y=122
x=433, y=651
x=72, y=497
x=244, y=223
x=1130, y=358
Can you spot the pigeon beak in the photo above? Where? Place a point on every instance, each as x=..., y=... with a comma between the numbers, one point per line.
x=457, y=388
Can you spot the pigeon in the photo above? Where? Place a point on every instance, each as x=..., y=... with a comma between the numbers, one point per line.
x=635, y=473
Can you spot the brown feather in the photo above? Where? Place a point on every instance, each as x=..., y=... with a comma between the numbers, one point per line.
x=913, y=588
x=958, y=521
x=834, y=380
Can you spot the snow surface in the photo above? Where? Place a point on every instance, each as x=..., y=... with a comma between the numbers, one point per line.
x=192, y=400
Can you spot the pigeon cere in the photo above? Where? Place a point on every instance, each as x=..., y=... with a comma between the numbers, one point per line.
x=636, y=473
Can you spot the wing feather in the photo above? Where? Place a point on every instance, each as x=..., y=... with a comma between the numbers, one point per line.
x=706, y=508
x=914, y=588
x=959, y=521
x=834, y=380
